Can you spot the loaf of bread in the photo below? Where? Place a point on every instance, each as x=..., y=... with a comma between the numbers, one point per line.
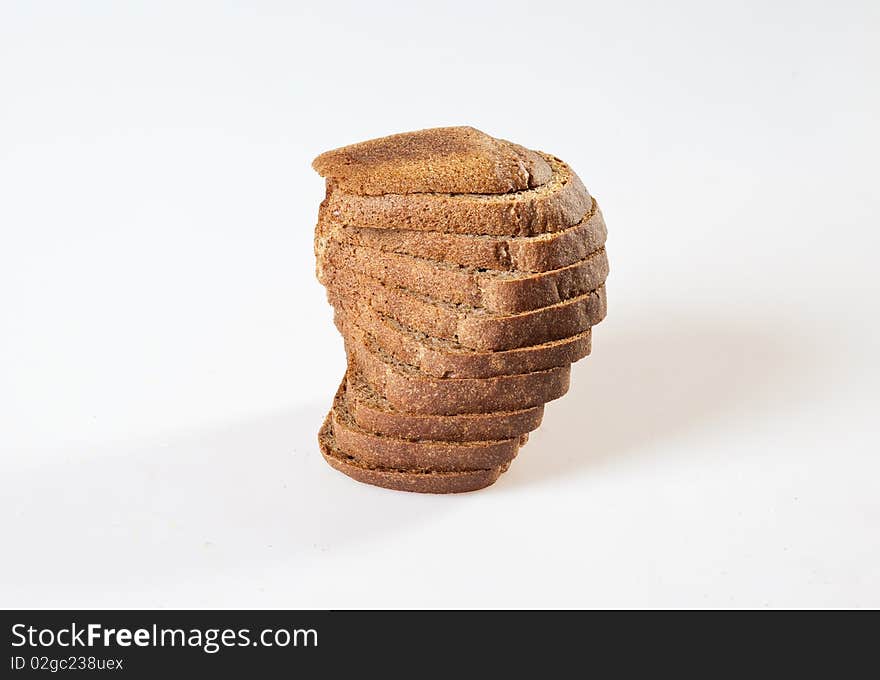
x=466, y=273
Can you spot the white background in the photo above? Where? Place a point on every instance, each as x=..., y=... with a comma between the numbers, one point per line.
x=166, y=355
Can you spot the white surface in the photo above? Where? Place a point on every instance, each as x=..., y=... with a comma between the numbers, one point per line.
x=166, y=356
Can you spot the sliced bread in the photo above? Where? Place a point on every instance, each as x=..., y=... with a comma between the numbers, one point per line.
x=561, y=202
x=402, y=480
x=374, y=414
x=441, y=358
x=469, y=326
x=496, y=291
x=422, y=454
x=446, y=160
x=511, y=253
x=407, y=389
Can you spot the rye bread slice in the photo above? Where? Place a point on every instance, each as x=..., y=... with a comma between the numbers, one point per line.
x=374, y=414
x=471, y=327
x=446, y=160
x=377, y=450
x=496, y=291
x=407, y=389
x=559, y=203
x=507, y=253
x=440, y=358
x=402, y=480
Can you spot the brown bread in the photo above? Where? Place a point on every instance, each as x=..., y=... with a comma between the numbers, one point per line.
x=466, y=273
x=448, y=359
x=403, y=480
x=423, y=454
x=408, y=389
x=374, y=414
x=496, y=291
x=446, y=160
x=561, y=202
x=511, y=253
x=471, y=327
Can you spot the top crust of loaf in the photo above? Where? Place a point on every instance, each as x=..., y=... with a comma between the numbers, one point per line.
x=453, y=160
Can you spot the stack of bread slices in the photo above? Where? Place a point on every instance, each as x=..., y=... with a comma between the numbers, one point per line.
x=466, y=273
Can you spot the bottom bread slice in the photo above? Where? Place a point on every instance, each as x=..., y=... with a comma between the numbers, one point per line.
x=373, y=413
x=424, y=454
x=403, y=480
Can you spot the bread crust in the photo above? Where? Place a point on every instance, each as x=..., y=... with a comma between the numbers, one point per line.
x=452, y=160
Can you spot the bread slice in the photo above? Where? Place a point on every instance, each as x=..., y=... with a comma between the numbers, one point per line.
x=408, y=389
x=539, y=253
x=495, y=291
x=446, y=160
x=471, y=327
x=561, y=202
x=441, y=358
x=402, y=480
x=422, y=454
x=371, y=412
